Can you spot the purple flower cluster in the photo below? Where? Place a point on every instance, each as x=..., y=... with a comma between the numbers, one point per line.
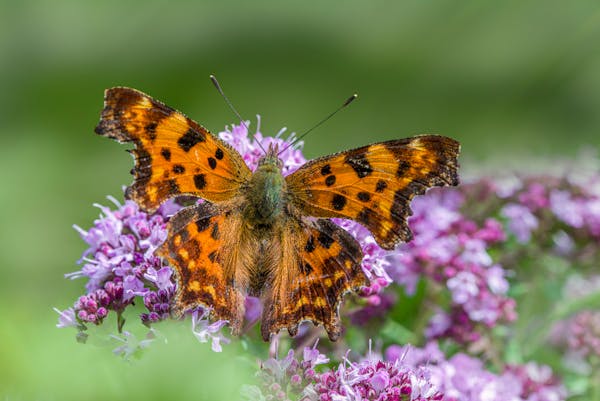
x=583, y=334
x=465, y=378
x=374, y=380
x=579, y=334
x=369, y=379
x=566, y=206
x=577, y=210
x=457, y=230
x=288, y=377
x=120, y=267
x=405, y=373
x=376, y=262
x=158, y=300
x=120, y=263
x=451, y=249
x=559, y=215
x=535, y=382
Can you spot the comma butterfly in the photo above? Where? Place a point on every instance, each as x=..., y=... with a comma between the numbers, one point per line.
x=263, y=234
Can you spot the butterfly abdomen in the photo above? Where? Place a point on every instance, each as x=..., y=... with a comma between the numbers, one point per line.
x=265, y=196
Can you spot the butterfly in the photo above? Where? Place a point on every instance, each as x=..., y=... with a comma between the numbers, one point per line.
x=260, y=233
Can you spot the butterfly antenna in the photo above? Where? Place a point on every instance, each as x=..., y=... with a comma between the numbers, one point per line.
x=216, y=84
x=298, y=138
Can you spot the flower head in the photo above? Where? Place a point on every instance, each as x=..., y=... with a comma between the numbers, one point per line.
x=368, y=379
x=465, y=378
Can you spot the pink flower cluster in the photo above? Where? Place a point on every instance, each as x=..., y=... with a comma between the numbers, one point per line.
x=452, y=250
x=465, y=378
x=405, y=373
x=120, y=263
x=584, y=334
x=369, y=379
x=120, y=266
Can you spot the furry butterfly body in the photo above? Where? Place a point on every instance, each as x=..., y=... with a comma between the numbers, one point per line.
x=261, y=233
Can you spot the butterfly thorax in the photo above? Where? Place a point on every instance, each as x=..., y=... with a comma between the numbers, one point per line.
x=266, y=192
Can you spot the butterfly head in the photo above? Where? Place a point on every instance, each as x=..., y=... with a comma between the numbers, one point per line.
x=270, y=158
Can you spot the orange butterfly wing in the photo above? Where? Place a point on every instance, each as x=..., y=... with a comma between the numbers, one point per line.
x=174, y=155
x=374, y=184
x=197, y=247
x=320, y=262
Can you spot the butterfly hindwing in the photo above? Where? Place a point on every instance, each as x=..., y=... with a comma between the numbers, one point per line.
x=195, y=248
x=320, y=262
x=374, y=184
x=173, y=154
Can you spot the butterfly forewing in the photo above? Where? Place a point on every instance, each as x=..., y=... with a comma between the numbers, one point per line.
x=173, y=154
x=374, y=185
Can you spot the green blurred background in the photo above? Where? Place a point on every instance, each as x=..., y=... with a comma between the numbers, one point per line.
x=512, y=80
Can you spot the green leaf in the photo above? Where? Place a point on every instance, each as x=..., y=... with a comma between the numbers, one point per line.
x=397, y=333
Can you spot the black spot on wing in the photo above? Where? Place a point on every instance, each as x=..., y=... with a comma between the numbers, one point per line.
x=178, y=169
x=200, y=181
x=364, y=196
x=330, y=180
x=359, y=164
x=310, y=244
x=381, y=186
x=185, y=274
x=150, y=129
x=207, y=297
x=172, y=186
x=189, y=139
x=166, y=154
x=219, y=154
x=403, y=167
x=202, y=224
x=212, y=162
x=325, y=240
x=306, y=268
x=367, y=217
x=338, y=202
x=326, y=169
